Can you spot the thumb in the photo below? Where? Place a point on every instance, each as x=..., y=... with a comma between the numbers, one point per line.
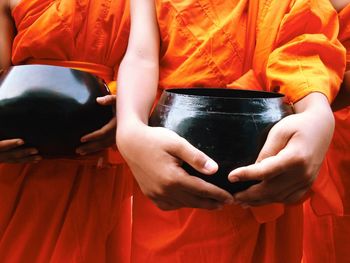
x=277, y=139
x=194, y=157
x=107, y=100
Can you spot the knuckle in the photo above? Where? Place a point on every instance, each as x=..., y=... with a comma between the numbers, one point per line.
x=169, y=183
x=153, y=195
x=301, y=159
x=203, y=192
x=198, y=159
x=174, y=145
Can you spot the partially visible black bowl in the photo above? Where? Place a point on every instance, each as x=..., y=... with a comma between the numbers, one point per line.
x=228, y=125
x=51, y=107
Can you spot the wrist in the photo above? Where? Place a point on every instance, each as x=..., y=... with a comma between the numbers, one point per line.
x=128, y=129
x=315, y=107
x=314, y=101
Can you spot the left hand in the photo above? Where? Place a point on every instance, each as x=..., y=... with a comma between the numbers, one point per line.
x=291, y=157
x=103, y=138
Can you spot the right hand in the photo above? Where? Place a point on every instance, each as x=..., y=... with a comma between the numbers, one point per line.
x=155, y=156
x=11, y=152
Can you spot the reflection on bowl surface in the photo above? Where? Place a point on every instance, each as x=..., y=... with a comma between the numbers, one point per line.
x=228, y=125
x=51, y=107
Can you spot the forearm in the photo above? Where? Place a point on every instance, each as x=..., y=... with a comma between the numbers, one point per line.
x=339, y=4
x=138, y=72
x=317, y=112
x=314, y=101
x=137, y=87
x=7, y=32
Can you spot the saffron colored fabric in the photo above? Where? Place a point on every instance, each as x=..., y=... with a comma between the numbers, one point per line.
x=68, y=210
x=333, y=232
x=204, y=44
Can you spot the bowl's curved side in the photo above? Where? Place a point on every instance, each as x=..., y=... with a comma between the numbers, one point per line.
x=52, y=109
x=232, y=139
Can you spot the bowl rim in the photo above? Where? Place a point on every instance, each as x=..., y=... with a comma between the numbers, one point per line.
x=202, y=92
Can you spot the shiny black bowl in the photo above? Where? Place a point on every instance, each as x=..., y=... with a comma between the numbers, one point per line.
x=228, y=125
x=51, y=107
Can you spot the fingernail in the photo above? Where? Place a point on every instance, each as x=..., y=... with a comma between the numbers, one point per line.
x=233, y=179
x=210, y=165
x=33, y=151
x=101, y=99
x=38, y=158
x=83, y=140
x=20, y=142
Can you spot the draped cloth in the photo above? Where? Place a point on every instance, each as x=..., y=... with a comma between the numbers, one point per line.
x=68, y=210
x=206, y=44
x=333, y=232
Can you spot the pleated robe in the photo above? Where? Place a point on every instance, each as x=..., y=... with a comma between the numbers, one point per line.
x=68, y=210
x=294, y=50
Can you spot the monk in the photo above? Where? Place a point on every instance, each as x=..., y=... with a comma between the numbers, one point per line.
x=65, y=210
x=288, y=46
x=333, y=232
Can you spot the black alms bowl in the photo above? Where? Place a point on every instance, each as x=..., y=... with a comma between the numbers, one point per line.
x=51, y=107
x=228, y=125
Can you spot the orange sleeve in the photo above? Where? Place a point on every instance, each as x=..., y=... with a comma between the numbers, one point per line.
x=307, y=56
x=344, y=35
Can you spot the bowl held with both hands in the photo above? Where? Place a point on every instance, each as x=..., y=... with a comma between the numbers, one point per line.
x=228, y=125
x=51, y=107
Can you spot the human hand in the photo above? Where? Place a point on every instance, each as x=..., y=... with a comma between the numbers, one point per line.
x=102, y=138
x=11, y=152
x=291, y=157
x=155, y=156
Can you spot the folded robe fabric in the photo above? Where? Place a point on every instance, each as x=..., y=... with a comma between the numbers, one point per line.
x=68, y=210
x=203, y=44
x=333, y=232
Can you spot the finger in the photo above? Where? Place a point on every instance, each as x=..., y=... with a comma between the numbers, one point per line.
x=107, y=100
x=29, y=159
x=100, y=133
x=194, y=157
x=266, y=169
x=194, y=201
x=275, y=190
x=297, y=197
x=253, y=196
x=277, y=139
x=94, y=146
x=17, y=154
x=202, y=189
x=6, y=145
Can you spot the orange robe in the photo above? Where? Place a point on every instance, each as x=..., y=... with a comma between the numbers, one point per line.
x=332, y=233
x=67, y=210
x=204, y=44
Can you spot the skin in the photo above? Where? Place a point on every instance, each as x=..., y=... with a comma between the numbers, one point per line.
x=287, y=164
x=339, y=4
x=14, y=150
